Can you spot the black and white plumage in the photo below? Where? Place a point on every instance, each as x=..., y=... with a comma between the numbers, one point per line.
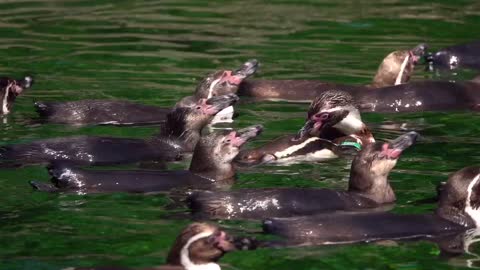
x=458, y=210
x=368, y=188
x=211, y=168
x=123, y=112
x=10, y=89
x=179, y=135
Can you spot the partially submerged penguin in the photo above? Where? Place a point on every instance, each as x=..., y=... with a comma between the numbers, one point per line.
x=290, y=149
x=368, y=188
x=395, y=69
x=421, y=96
x=333, y=123
x=10, y=89
x=465, y=55
x=198, y=247
x=458, y=210
x=418, y=96
x=122, y=112
x=211, y=167
x=179, y=135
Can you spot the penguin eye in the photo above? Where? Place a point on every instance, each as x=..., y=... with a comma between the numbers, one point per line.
x=198, y=107
x=322, y=116
x=228, y=140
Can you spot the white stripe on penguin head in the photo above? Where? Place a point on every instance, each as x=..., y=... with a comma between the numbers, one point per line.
x=185, y=254
x=352, y=123
x=5, y=109
x=402, y=69
x=212, y=86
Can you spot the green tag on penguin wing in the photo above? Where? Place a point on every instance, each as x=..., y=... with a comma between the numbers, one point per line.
x=354, y=144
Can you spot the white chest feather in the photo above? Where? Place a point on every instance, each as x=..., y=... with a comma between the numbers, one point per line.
x=474, y=213
x=316, y=156
x=285, y=156
x=294, y=148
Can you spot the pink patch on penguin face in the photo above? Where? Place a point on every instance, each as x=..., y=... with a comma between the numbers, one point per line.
x=390, y=153
x=413, y=58
x=207, y=108
x=231, y=79
x=236, y=140
x=17, y=90
x=222, y=242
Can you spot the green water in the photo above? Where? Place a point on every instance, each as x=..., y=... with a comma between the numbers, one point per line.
x=154, y=52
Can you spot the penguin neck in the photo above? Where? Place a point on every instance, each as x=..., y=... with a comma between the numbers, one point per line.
x=369, y=177
x=203, y=165
x=180, y=134
x=394, y=69
x=377, y=188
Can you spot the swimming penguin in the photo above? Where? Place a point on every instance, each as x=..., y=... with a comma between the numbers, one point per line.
x=290, y=149
x=465, y=55
x=122, y=112
x=180, y=134
x=458, y=210
x=368, y=188
x=333, y=124
x=198, y=247
x=395, y=69
x=211, y=167
x=336, y=104
x=421, y=96
x=10, y=89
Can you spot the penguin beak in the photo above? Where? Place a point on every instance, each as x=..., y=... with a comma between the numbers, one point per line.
x=236, y=77
x=20, y=85
x=250, y=132
x=394, y=149
x=215, y=104
x=418, y=52
x=241, y=136
x=318, y=121
x=249, y=158
x=221, y=240
x=247, y=69
x=306, y=130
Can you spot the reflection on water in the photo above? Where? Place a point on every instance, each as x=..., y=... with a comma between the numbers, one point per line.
x=154, y=52
x=462, y=244
x=472, y=237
